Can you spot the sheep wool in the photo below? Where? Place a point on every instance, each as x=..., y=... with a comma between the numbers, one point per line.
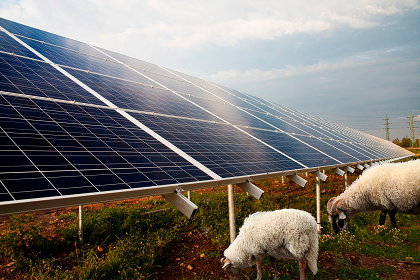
x=390, y=186
x=287, y=233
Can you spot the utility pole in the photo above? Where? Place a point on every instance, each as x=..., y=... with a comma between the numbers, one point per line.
x=387, y=127
x=411, y=122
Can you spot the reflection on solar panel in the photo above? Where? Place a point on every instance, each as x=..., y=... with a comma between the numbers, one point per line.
x=80, y=124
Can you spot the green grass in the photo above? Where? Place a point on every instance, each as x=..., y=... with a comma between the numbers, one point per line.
x=129, y=242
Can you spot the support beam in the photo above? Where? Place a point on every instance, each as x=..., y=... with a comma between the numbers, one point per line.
x=349, y=169
x=359, y=166
x=339, y=171
x=298, y=180
x=319, y=175
x=318, y=202
x=366, y=165
x=181, y=203
x=251, y=189
x=81, y=239
x=232, y=218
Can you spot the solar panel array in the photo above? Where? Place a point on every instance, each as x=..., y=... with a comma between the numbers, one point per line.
x=77, y=119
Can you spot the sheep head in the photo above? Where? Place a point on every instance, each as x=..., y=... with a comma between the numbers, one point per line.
x=337, y=215
x=230, y=270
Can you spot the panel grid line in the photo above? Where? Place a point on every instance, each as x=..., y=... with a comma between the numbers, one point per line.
x=52, y=185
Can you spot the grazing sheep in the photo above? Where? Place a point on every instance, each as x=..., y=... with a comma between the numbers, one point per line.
x=391, y=188
x=287, y=233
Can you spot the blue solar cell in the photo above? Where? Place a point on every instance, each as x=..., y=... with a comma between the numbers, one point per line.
x=4, y=195
x=70, y=182
x=41, y=79
x=181, y=86
x=297, y=150
x=10, y=45
x=29, y=187
x=16, y=162
x=46, y=37
x=137, y=64
x=213, y=88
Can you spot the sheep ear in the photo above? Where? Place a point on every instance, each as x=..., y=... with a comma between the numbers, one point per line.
x=226, y=264
x=330, y=205
x=336, y=208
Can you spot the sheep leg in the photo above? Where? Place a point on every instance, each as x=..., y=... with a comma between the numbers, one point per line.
x=303, y=268
x=382, y=217
x=259, y=270
x=274, y=265
x=392, y=217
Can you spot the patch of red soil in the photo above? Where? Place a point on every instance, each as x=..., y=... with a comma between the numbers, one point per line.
x=190, y=259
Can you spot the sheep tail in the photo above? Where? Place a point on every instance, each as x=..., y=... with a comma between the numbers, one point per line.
x=312, y=255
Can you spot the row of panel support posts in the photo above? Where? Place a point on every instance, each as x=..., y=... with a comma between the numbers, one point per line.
x=232, y=218
x=318, y=203
x=81, y=224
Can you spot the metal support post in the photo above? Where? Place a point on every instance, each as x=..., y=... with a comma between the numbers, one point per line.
x=282, y=179
x=81, y=224
x=318, y=203
x=346, y=181
x=232, y=218
x=189, y=195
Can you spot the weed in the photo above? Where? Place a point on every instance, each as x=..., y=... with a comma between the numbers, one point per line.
x=24, y=243
x=346, y=270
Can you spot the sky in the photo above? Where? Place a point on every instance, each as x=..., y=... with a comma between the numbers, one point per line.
x=350, y=62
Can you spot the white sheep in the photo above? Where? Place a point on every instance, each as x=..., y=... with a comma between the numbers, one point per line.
x=390, y=187
x=287, y=233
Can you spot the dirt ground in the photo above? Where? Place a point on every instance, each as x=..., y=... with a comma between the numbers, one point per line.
x=186, y=260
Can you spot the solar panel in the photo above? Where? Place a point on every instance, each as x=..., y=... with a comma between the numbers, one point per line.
x=80, y=124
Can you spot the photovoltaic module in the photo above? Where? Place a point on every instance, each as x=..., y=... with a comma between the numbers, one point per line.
x=81, y=124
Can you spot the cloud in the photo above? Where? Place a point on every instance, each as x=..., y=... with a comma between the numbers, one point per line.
x=197, y=24
x=363, y=60
x=256, y=75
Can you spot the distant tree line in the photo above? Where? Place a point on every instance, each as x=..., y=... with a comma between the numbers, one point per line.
x=405, y=142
